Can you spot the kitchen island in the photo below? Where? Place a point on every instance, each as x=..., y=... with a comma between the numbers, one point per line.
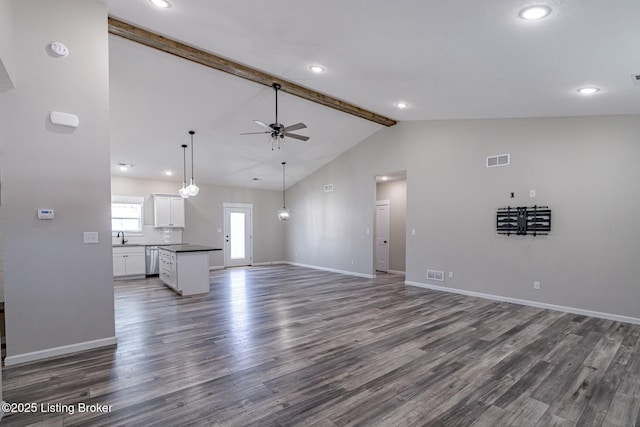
x=185, y=268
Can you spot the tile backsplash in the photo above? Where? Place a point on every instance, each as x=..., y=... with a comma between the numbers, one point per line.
x=153, y=236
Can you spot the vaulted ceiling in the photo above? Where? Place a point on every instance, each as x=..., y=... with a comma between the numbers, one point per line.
x=447, y=60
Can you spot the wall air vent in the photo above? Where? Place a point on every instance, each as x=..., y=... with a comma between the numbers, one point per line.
x=328, y=188
x=499, y=160
x=435, y=275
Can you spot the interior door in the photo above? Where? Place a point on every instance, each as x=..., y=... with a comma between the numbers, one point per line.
x=382, y=235
x=238, y=239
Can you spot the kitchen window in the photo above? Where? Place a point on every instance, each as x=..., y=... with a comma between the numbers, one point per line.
x=127, y=214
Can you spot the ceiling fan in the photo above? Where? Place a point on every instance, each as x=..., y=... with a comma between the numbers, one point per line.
x=277, y=130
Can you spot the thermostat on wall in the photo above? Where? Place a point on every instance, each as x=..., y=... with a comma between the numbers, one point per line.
x=45, y=213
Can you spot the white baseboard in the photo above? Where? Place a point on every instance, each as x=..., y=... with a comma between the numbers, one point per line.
x=332, y=270
x=562, y=308
x=270, y=263
x=132, y=277
x=58, y=351
x=216, y=267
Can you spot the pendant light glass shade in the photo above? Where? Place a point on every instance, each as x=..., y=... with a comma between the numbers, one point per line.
x=283, y=214
x=192, y=189
x=183, y=191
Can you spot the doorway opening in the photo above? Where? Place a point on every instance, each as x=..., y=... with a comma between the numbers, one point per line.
x=238, y=234
x=390, y=224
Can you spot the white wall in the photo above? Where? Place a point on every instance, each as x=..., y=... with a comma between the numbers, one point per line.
x=204, y=215
x=396, y=193
x=585, y=169
x=58, y=291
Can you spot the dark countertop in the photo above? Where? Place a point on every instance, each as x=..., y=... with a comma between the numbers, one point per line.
x=189, y=248
x=128, y=245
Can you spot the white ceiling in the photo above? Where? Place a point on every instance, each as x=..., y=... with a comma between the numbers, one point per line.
x=452, y=59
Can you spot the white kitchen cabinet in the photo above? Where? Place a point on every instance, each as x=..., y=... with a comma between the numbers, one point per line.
x=168, y=211
x=185, y=268
x=167, y=269
x=128, y=261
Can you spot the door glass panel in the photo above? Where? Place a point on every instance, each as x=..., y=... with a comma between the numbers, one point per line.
x=236, y=224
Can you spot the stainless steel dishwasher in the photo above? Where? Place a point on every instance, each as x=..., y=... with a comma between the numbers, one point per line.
x=152, y=263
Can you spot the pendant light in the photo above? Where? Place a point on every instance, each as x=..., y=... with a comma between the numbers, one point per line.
x=183, y=191
x=284, y=213
x=192, y=188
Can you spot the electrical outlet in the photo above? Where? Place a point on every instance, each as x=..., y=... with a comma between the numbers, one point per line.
x=451, y=275
x=352, y=262
x=536, y=285
x=413, y=232
x=532, y=193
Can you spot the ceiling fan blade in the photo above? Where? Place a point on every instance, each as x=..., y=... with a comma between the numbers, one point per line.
x=255, y=133
x=263, y=124
x=297, y=126
x=294, y=136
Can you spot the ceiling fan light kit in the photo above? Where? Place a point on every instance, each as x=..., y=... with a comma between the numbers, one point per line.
x=276, y=130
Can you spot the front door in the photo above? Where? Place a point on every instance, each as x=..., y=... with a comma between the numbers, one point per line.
x=382, y=235
x=238, y=247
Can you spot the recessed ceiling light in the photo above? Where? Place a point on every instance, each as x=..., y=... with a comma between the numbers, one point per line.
x=402, y=105
x=532, y=13
x=124, y=166
x=588, y=90
x=168, y=173
x=161, y=3
x=317, y=69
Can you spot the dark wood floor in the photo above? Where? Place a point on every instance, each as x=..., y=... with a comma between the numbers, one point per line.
x=285, y=345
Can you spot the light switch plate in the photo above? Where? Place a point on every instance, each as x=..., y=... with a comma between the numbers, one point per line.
x=91, y=237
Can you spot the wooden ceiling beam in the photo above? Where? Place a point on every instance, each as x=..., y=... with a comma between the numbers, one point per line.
x=173, y=47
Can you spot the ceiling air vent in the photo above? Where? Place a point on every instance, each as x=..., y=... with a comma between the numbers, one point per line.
x=499, y=160
x=435, y=275
x=328, y=188
x=636, y=79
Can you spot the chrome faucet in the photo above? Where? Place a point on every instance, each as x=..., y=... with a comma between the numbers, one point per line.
x=118, y=235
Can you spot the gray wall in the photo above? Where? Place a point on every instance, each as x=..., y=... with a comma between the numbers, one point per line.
x=396, y=193
x=584, y=168
x=7, y=66
x=58, y=291
x=204, y=214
